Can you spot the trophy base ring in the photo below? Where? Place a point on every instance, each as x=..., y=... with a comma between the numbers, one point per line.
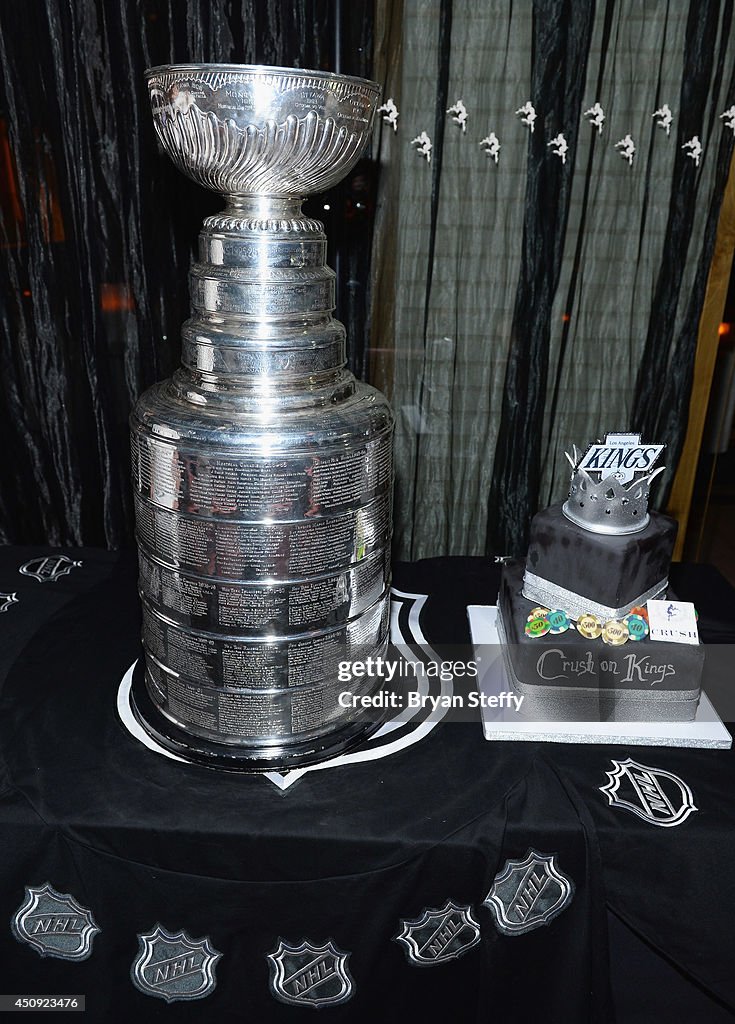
x=225, y=757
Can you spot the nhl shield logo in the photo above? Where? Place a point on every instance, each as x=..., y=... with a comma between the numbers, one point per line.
x=528, y=893
x=657, y=796
x=308, y=975
x=6, y=600
x=48, y=569
x=54, y=924
x=174, y=967
x=438, y=936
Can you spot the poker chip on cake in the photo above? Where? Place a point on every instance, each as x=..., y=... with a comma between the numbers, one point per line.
x=615, y=633
x=538, y=613
x=589, y=626
x=537, y=627
x=558, y=621
x=637, y=626
x=641, y=610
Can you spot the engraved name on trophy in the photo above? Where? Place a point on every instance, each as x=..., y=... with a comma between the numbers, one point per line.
x=262, y=469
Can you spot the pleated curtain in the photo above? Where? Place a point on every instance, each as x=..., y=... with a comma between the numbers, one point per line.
x=539, y=271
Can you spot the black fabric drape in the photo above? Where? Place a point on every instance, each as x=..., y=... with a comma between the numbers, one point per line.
x=562, y=297
x=561, y=41
x=440, y=113
x=549, y=453
x=662, y=412
x=97, y=229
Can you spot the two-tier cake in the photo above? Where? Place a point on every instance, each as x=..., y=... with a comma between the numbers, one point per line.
x=573, y=617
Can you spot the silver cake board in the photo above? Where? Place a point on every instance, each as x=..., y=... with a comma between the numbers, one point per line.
x=503, y=723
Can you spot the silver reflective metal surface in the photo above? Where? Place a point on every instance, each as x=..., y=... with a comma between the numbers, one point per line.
x=262, y=469
x=244, y=130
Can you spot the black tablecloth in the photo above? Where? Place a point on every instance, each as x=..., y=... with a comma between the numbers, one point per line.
x=345, y=855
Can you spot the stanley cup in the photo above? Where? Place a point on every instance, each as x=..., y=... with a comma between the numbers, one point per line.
x=262, y=469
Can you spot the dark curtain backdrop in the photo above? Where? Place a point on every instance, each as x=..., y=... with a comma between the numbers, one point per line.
x=97, y=230
x=530, y=303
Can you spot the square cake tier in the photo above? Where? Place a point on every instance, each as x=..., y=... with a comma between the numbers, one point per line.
x=572, y=568
x=565, y=677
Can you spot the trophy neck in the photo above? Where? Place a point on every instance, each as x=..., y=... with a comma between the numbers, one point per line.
x=262, y=299
x=264, y=207
x=244, y=214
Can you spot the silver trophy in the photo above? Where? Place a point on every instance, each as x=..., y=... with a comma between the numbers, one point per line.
x=262, y=469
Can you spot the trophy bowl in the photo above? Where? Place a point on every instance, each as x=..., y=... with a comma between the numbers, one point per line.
x=243, y=129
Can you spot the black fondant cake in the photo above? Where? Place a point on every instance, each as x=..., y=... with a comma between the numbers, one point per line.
x=600, y=554
x=567, y=677
x=572, y=568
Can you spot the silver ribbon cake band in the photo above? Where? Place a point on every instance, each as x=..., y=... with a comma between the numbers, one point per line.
x=535, y=588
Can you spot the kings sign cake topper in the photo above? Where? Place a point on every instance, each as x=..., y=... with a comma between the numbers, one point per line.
x=611, y=483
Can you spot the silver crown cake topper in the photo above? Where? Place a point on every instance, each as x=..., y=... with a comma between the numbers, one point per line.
x=615, y=501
